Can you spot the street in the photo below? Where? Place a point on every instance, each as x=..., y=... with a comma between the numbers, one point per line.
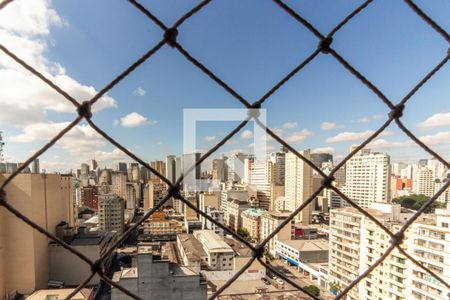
x=302, y=280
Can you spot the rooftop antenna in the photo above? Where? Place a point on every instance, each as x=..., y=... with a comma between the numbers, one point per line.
x=1, y=146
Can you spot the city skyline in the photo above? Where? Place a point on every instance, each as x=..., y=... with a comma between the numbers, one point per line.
x=142, y=111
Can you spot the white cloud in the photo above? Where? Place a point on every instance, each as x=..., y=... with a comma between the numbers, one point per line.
x=324, y=150
x=298, y=136
x=367, y=119
x=139, y=92
x=290, y=125
x=436, y=120
x=384, y=144
x=246, y=134
x=134, y=120
x=354, y=136
x=25, y=99
x=327, y=125
x=209, y=138
x=80, y=141
x=116, y=122
x=231, y=142
x=440, y=138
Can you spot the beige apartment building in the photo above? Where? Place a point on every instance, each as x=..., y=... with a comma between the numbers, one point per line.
x=356, y=243
x=46, y=199
x=423, y=181
x=269, y=222
x=298, y=185
x=429, y=243
x=251, y=219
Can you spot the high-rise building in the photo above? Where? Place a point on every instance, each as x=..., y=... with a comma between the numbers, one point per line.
x=119, y=184
x=269, y=222
x=111, y=210
x=35, y=166
x=236, y=167
x=160, y=167
x=298, y=185
x=190, y=178
x=121, y=167
x=356, y=242
x=423, y=181
x=319, y=158
x=219, y=169
x=84, y=171
x=429, y=243
x=94, y=164
x=171, y=168
x=47, y=200
x=262, y=176
x=154, y=193
x=367, y=178
x=278, y=159
x=89, y=196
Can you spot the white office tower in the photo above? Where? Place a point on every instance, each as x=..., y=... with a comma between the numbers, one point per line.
x=423, y=181
x=236, y=167
x=261, y=175
x=438, y=168
x=367, y=178
x=429, y=243
x=298, y=185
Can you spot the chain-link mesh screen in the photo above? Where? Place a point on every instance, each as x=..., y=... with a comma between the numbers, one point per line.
x=324, y=47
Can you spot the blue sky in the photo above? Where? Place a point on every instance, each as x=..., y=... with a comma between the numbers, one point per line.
x=251, y=45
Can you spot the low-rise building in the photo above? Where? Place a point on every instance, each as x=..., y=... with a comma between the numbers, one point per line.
x=191, y=252
x=159, y=227
x=83, y=294
x=216, y=215
x=220, y=254
x=70, y=269
x=306, y=255
x=156, y=279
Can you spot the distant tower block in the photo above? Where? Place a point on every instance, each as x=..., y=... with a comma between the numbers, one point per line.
x=1, y=146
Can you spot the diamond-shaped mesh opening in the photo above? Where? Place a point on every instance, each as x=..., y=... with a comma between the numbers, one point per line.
x=169, y=35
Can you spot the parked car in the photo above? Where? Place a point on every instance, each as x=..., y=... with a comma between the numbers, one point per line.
x=265, y=280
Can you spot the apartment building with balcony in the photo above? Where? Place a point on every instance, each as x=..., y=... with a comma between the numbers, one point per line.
x=356, y=242
x=429, y=243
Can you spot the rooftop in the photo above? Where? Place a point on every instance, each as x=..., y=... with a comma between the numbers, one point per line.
x=254, y=212
x=212, y=241
x=192, y=247
x=125, y=273
x=60, y=294
x=307, y=245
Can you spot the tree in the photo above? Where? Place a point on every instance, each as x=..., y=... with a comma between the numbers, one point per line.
x=415, y=202
x=243, y=232
x=313, y=290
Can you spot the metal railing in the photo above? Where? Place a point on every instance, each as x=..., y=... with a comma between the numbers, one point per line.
x=324, y=47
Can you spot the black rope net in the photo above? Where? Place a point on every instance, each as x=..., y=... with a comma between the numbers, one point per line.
x=324, y=47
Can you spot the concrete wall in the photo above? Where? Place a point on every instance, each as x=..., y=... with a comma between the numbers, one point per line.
x=65, y=266
x=40, y=198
